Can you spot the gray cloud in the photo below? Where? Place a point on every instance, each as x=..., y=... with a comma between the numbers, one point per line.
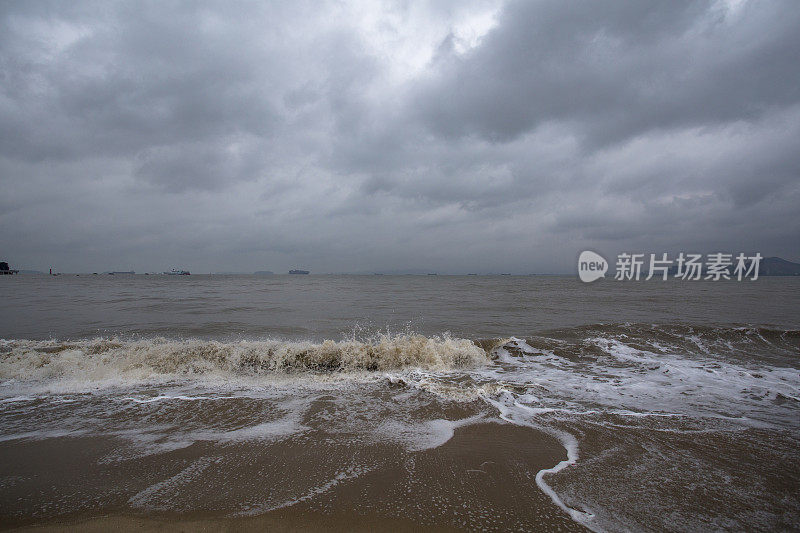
x=465, y=136
x=615, y=69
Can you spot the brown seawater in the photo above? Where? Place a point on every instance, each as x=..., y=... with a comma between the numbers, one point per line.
x=450, y=402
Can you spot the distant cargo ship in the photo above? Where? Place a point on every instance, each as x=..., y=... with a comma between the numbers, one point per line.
x=175, y=272
x=298, y=272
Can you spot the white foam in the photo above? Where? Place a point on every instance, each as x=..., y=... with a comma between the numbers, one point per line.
x=157, y=495
x=266, y=431
x=164, y=397
x=517, y=413
x=652, y=383
x=15, y=399
x=351, y=472
x=424, y=435
x=43, y=434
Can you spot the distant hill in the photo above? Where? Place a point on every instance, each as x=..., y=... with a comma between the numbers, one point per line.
x=775, y=266
x=769, y=266
x=263, y=273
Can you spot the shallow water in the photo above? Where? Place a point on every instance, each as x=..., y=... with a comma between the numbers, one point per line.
x=612, y=406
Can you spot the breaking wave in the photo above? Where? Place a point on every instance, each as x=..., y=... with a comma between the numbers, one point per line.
x=591, y=352
x=99, y=359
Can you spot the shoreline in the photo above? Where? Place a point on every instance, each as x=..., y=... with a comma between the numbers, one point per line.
x=483, y=477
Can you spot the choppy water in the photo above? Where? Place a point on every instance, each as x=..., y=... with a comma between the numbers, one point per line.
x=676, y=405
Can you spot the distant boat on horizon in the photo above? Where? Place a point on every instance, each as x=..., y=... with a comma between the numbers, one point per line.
x=176, y=272
x=6, y=270
x=299, y=272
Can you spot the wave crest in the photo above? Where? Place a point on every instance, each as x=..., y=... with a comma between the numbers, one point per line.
x=109, y=358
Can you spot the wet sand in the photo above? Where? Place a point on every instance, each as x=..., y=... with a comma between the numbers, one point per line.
x=709, y=478
x=289, y=522
x=482, y=478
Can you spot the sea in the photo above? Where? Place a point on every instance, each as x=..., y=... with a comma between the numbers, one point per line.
x=402, y=403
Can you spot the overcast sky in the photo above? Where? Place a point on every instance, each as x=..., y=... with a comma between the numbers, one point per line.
x=441, y=136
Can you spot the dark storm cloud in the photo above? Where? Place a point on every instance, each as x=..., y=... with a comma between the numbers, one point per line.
x=360, y=136
x=139, y=77
x=615, y=69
